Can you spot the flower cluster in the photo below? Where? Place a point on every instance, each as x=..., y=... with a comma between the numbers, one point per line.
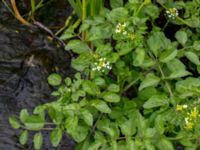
x=101, y=65
x=120, y=28
x=172, y=13
x=181, y=107
x=191, y=118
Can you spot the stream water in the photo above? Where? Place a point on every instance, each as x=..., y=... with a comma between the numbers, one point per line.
x=27, y=57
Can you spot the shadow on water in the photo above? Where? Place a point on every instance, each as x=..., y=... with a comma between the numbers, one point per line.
x=27, y=57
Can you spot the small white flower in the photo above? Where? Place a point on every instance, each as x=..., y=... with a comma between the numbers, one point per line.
x=101, y=65
x=172, y=13
x=185, y=106
x=186, y=120
x=120, y=28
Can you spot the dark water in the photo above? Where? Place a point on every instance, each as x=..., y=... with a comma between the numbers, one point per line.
x=27, y=57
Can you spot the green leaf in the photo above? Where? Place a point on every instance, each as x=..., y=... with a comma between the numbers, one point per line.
x=181, y=37
x=23, y=115
x=111, y=97
x=56, y=136
x=168, y=55
x=80, y=133
x=116, y=3
x=175, y=65
x=105, y=126
x=101, y=106
x=82, y=61
x=159, y=124
x=38, y=140
x=150, y=80
x=113, y=145
x=77, y=46
x=99, y=81
x=118, y=14
x=14, y=123
x=178, y=74
x=149, y=145
x=54, y=79
x=196, y=45
x=130, y=144
x=164, y=144
x=138, y=57
x=34, y=122
x=154, y=42
x=113, y=88
x=90, y=87
x=193, y=57
x=23, y=137
x=87, y=117
x=71, y=124
x=124, y=48
x=128, y=127
x=156, y=101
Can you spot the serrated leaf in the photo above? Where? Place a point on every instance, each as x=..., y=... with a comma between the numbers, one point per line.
x=56, y=136
x=77, y=46
x=150, y=80
x=14, y=122
x=168, y=55
x=193, y=57
x=181, y=37
x=87, y=117
x=38, y=140
x=111, y=97
x=156, y=101
x=90, y=87
x=23, y=137
x=54, y=79
x=101, y=106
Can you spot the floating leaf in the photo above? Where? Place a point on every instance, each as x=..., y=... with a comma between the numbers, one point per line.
x=38, y=140
x=23, y=137
x=56, y=136
x=14, y=122
x=54, y=79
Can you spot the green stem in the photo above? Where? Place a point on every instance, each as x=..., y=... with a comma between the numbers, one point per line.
x=66, y=24
x=130, y=84
x=165, y=25
x=84, y=13
x=139, y=9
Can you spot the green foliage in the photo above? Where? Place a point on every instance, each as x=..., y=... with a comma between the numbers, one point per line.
x=137, y=87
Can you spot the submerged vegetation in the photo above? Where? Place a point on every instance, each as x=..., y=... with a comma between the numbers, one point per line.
x=136, y=85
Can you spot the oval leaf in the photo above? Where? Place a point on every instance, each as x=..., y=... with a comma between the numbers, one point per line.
x=101, y=106
x=150, y=80
x=193, y=57
x=54, y=79
x=23, y=137
x=181, y=37
x=38, y=140
x=87, y=117
x=56, y=136
x=156, y=101
x=111, y=97
x=14, y=122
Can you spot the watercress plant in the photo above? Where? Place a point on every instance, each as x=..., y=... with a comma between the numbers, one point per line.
x=137, y=87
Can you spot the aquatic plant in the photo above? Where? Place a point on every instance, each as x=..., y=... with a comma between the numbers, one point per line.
x=137, y=85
